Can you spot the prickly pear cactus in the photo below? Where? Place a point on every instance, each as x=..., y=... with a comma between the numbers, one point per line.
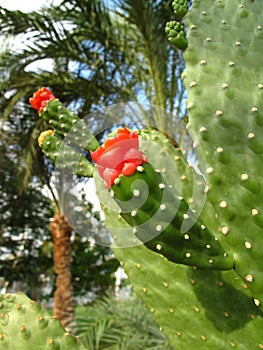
x=204, y=304
x=24, y=325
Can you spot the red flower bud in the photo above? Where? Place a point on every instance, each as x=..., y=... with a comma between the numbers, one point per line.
x=119, y=155
x=40, y=99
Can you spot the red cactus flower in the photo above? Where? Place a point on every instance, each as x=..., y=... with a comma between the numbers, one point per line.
x=40, y=99
x=119, y=155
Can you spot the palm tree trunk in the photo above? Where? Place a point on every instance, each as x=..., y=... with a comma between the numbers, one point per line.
x=63, y=297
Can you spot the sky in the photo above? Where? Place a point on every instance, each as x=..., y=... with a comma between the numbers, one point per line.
x=25, y=5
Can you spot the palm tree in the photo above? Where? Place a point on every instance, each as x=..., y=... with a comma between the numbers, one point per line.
x=99, y=56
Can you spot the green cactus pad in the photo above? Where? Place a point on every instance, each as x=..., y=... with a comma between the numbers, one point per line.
x=25, y=325
x=196, y=309
x=224, y=82
x=156, y=212
x=64, y=156
x=67, y=124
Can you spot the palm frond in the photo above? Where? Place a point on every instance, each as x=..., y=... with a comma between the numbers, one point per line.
x=119, y=324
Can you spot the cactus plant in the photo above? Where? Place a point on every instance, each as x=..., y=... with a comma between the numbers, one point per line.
x=24, y=324
x=67, y=125
x=209, y=304
x=201, y=309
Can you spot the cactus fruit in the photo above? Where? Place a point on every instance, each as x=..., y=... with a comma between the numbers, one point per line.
x=118, y=156
x=63, y=120
x=176, y=34
x=180, y=8
x=175, y=30
x=24, y=325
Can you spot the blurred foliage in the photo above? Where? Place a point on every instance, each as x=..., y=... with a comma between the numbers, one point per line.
x=93, y=267
x=119, y=324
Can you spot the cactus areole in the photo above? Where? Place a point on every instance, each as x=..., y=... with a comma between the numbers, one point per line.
x=40, y=99
x=119, y=155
